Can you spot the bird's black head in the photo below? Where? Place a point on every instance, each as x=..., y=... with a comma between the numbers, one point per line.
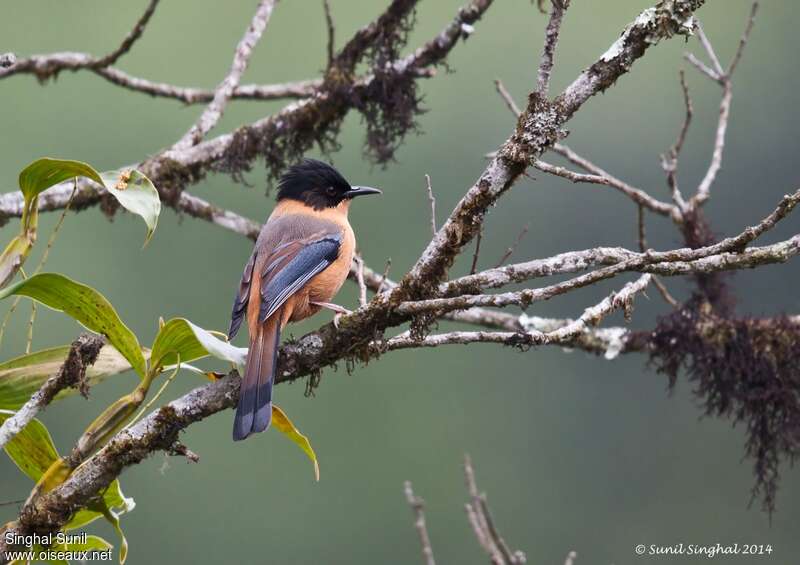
x=318, y=185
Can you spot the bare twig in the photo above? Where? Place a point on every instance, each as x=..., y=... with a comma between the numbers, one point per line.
x=326, y=4
x=669, y=161
x=662, y=289
x=724, y=79
x=418, y=508
x=550, y=42
x=129, y=40
x=432, y=200
x=743, y=41
x=190, y=95
x=701, y=35
x=570, y=560
x=704, y=190
x=702, y=67
x=362, y=287
x=180, y=449
x=213, y=112
x=506, y=95
x=476, y=253
x=510, y=251
x=82, y=353
x=480, y=518
x=383, y=279
x=687, y=102
x=599, y=176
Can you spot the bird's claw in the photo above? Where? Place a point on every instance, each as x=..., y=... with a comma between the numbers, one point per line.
x=339, y=311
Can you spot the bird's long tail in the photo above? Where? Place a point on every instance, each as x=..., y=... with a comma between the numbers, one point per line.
x=254, y=412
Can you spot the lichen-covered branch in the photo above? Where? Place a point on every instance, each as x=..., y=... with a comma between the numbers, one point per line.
x=82, y=353
x=538, y=128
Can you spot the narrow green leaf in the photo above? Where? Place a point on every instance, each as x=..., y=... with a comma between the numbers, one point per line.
x=85, y=305
x=32, y=449
x=22, y=376
x=44, y=173
x=113, y=518
x=13, y=256
x=284, y=425
x=136, y=194
x=181, y=337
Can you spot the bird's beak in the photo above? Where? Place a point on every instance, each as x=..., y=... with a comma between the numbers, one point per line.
x=361, y=191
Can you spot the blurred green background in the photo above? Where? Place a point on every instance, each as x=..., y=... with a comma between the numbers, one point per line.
x=575, y=452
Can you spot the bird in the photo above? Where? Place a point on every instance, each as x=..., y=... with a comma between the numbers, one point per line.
x=300, y=260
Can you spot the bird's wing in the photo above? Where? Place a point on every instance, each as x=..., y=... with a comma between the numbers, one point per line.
x=292, y=264
x=242, y=297
x=289, y=252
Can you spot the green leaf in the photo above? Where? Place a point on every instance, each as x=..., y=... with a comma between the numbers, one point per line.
x=32, y=449
x=112, y=498
x=85, y=305
x=134, y=191
x=180, y=337
x=22, y=376
x=15, y=254
x=44, y=173
x=284, y=425
x=113, y=517
x=136, y=194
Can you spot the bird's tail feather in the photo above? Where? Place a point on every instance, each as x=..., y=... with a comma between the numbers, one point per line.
x=254, y=412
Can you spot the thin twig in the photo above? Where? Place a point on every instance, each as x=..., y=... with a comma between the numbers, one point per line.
x=702, y=67
x=384, y=276
x=510, y=251
x=478, y=238
x=662, y=289
x=701, y=35
x=599, y=176
x=326, y=4
x=687, y=102
x=669, y=161
x=549, y=49
x=480, y=518
x=507, y=98
x=418, y=508
x=432, y=200
x=244, y=50
x=743, y=41
x=362, y=287
x=704, y=189
x=571, y=556
x=129, y=40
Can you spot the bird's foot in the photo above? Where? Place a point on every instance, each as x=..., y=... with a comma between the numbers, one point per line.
x=339, y=310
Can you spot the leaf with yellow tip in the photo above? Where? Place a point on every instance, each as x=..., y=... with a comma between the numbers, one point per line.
x=284, y=425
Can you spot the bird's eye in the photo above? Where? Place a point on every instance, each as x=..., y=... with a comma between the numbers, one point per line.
x=331, y=191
